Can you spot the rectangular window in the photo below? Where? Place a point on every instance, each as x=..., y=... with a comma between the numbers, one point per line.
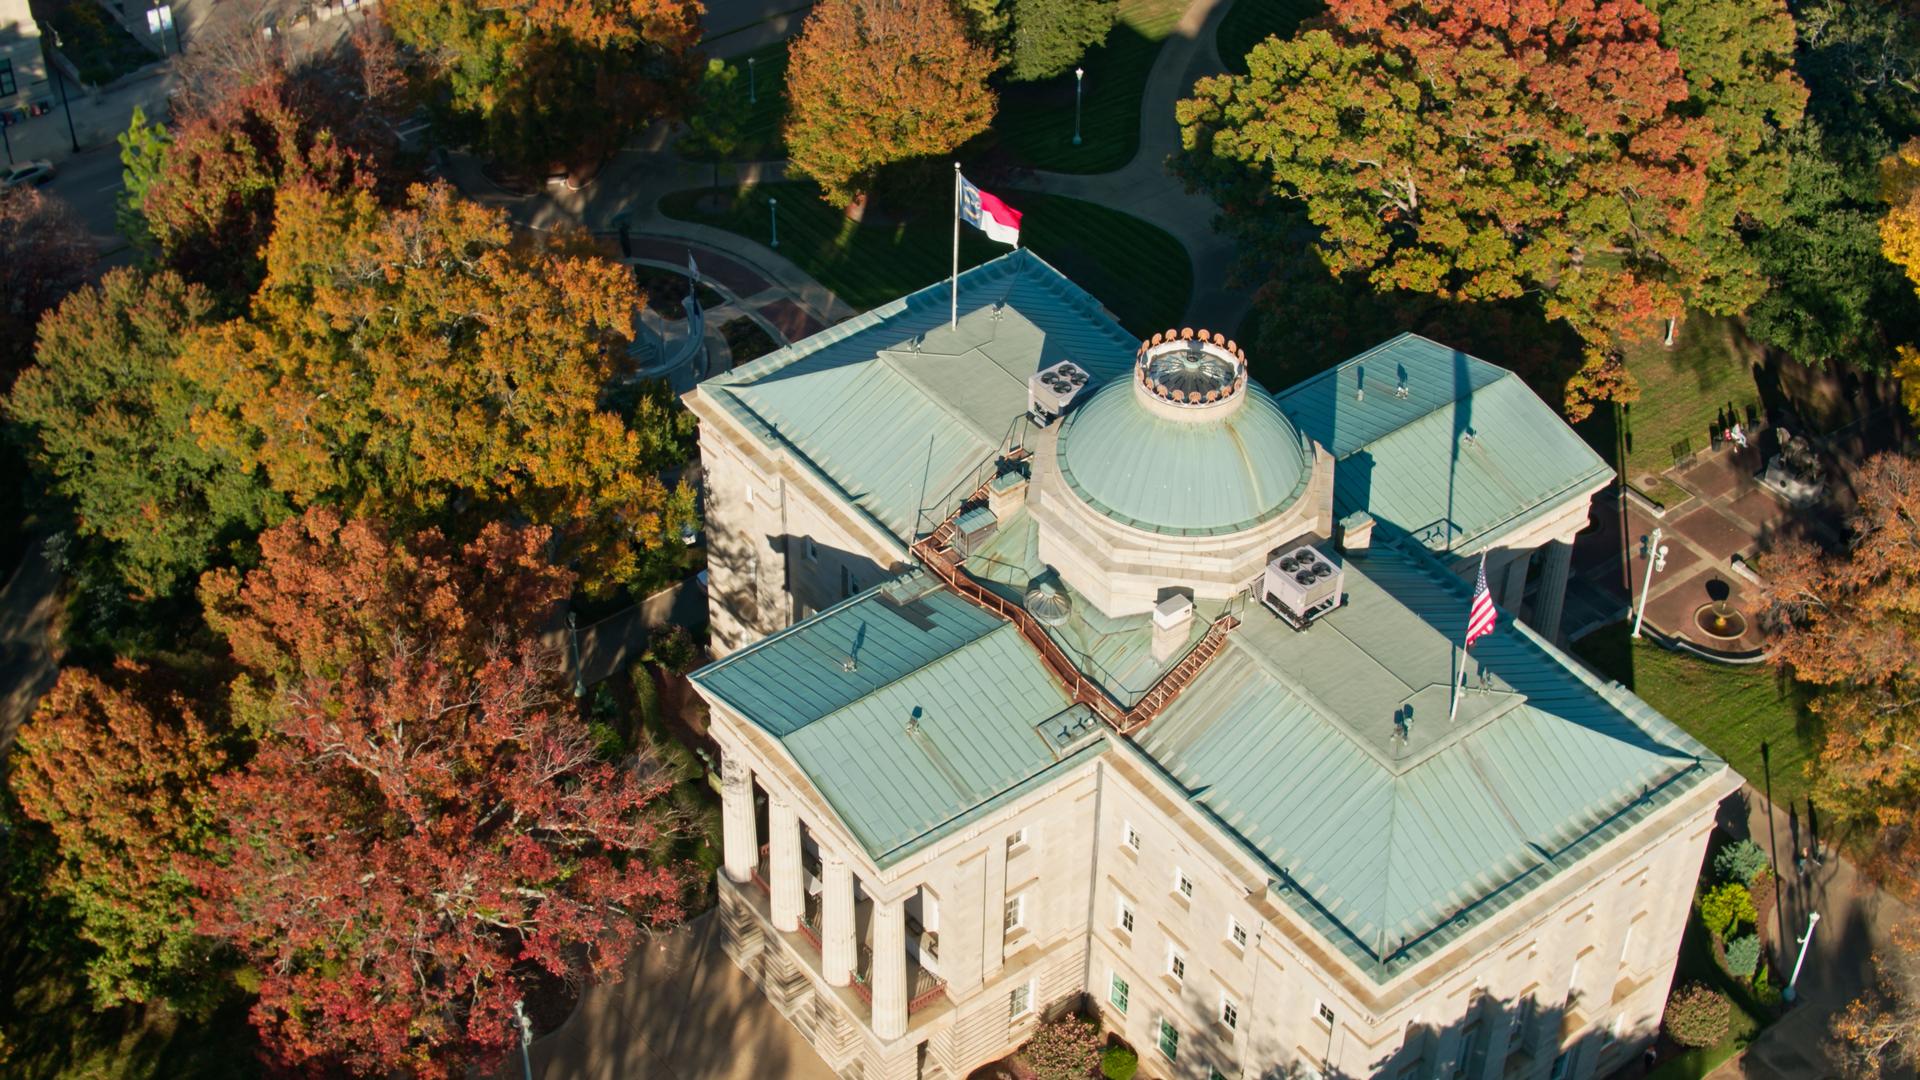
x=1176, y=964
x=7, y=86
x=1117, y=990
x=1131, y=836
x=813, y=550
x=1125, y=918
x=846, y=583
x=1183, y=884
x=1229, y=1013
x=1326, y=1014
x=1560, y=1065
x=1016, y=913
x=1215, y=1074
x=1169, y=1041
x=1626, y=943
x=1573, y=978
x=749, y=494
x=1020, y=1002
x=1236, y=933
x=1017, y=842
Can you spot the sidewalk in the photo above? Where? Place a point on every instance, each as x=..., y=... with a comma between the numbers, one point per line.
x=98, y=118
x=683, y=1012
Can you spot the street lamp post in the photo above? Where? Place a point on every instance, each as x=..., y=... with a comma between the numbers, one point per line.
x=773, y=219
x=8, y=140
x=525, y=1027
x=1656, y=555
x=753, y=83
x=64, y=103
x=1813, y=920
x=1079, y=77
x=573, y=639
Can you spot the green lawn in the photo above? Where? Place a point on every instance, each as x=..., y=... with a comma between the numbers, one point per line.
x=1682, y=390
x=1249, y=22
x=1734, y=710
x=1035, y=123
x=1102, y=250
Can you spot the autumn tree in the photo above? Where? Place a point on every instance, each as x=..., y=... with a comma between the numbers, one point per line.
x=873, y=82
x=1878, y=1034
x=107, y=416
x=1049, y=36
x=424, y=792
x=118, y=766
x=417, y=364
x=209, y=206
x=540, y=84
x=1850, y=625
x=44, y=255
x=1478, y=151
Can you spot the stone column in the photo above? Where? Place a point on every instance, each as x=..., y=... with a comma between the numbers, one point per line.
x=741, y=839
x=1513, y=589
x=889, y=984
x=783, y=825
x=1553, y=589
x=836, y=919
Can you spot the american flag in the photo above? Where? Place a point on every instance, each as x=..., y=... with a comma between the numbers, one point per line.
x=1480, y=618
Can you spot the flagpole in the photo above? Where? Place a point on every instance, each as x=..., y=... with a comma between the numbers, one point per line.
x=1453, y=705
x=955, y=324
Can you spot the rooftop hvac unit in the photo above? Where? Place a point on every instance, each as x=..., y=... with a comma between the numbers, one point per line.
x=1051, y=390
x=1301, y=585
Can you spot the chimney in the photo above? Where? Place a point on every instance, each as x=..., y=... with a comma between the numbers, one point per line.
x=1356, y=532
x=1007, y=493
x=1171, y=623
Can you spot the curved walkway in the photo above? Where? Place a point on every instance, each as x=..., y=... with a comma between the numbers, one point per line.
x=628, y=191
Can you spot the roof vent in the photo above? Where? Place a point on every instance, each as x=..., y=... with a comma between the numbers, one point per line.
x=1049, y=605
x=1301, y=585
x=1051, y=390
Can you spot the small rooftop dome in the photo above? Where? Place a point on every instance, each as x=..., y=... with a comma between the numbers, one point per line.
x=1188, y=446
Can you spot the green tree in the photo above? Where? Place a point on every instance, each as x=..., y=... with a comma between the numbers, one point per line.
x=1726, y=907
x=1478, y=151
x=987, y=23
x=1050, y=36
x=715, y=126
x=415, y=364
x=873, y=82
x=1738, y=58
x=143, y=150
x=119, y=768
x=108, y=418
x=539, y=84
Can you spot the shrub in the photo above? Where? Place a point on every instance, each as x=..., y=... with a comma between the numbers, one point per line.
x=673, y=649
x=1742, y=861
x=1119, y=1063
x=1697, y=1016
x=1743, y=955
x=1065, y=1049
x=1724, y=908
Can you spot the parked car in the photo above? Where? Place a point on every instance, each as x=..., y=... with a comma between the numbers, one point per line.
x=25, y=173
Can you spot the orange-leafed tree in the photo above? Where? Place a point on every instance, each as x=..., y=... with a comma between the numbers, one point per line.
x=539, y=83
x=1900, y=241
x=1477, y=150
x=418, y=363
x=873, y=82
x=1878, y=1033
x=1850, y=625
x=426, y=830
x=118, y=767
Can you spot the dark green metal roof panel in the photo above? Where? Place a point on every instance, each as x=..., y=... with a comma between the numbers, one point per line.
x=1469, y=451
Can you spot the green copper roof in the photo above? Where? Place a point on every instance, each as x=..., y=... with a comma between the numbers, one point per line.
x=1393, y=836
x=1182, y=477
x=1468, y=454
x=910, y=710
x=902, y=412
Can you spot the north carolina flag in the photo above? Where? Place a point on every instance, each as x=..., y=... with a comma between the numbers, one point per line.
x=987, y=213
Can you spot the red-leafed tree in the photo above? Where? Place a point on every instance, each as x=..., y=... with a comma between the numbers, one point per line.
x=425, y=828
x=44, y=254
x=1477, y=150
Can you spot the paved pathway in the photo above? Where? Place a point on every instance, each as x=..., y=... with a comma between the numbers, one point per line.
x=26, y=667
x=1855, y=918
x=628, y=190
x=683, y=1012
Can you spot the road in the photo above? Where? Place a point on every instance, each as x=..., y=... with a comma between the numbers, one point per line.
x=89, y=182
